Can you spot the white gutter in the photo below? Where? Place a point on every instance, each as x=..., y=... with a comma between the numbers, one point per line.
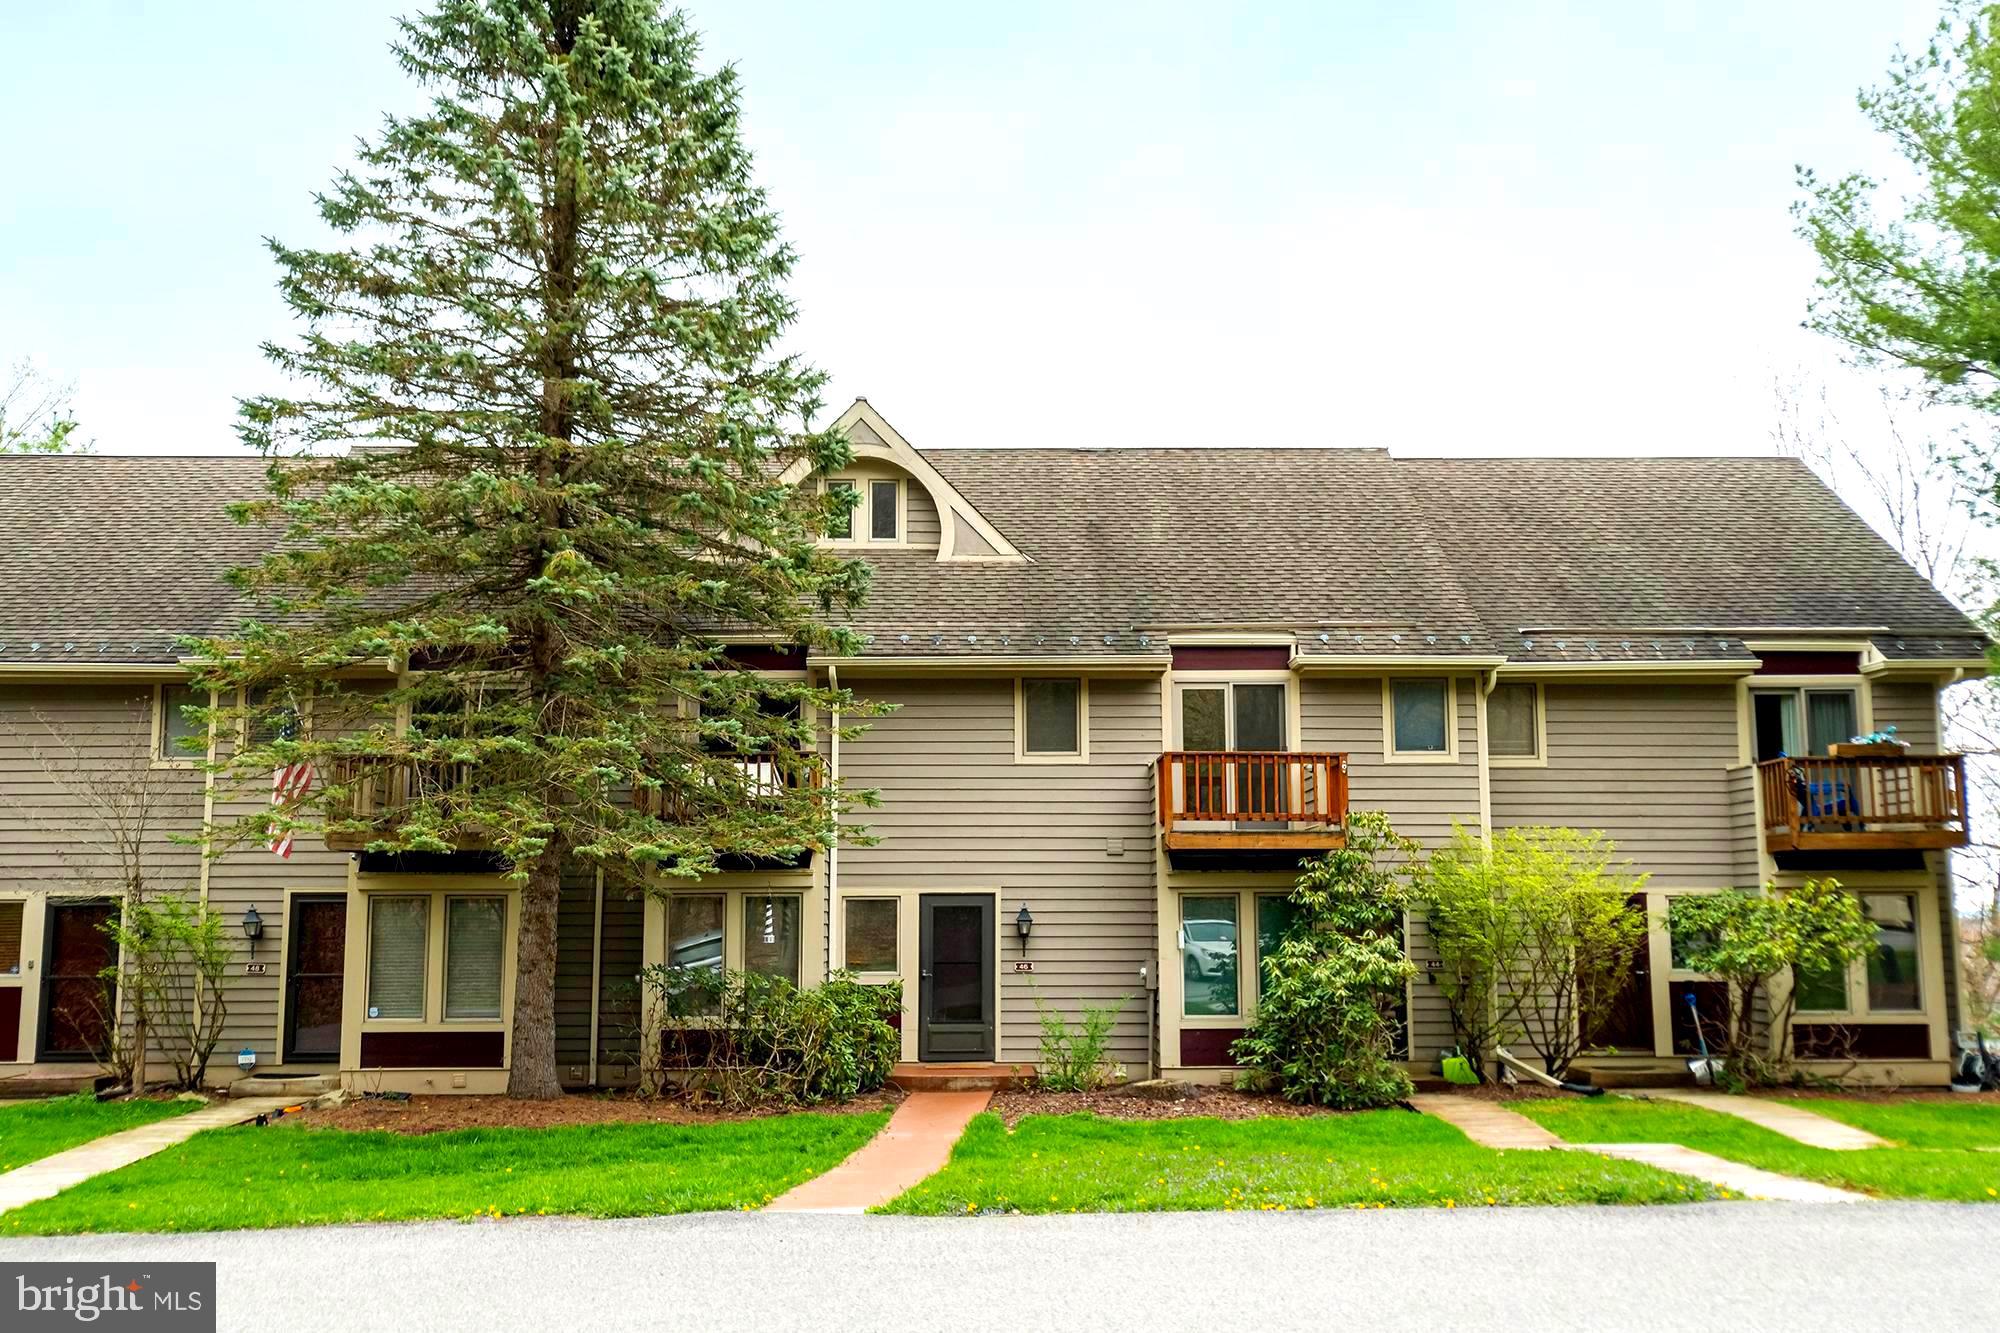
x=833, y=845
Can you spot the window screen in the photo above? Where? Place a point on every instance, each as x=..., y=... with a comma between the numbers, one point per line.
x=1052, y=716
x=398, y=930
x=771, y=935
x=176, y=725
x=1419, y=717
x=475, y=933
x=1892, y=967
x=841, y=528
x=1510, y=722
x=10, y=938
x=871, y=935
x=694, y=943
x=882, y=507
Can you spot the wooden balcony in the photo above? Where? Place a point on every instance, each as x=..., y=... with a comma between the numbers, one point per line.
x=1864, y=803
x=379, y=796
x=1252, y=800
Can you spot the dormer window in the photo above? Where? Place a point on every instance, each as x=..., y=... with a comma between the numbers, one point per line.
x=878, y=512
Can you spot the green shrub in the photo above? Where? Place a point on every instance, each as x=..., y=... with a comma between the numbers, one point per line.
x=1073, y=1058
x=746, y=1039
x=1324, y=1032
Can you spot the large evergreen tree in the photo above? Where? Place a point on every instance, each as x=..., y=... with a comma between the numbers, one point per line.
x=535, y=468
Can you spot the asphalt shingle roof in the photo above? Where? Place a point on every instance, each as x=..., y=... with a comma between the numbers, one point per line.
x=111, y=558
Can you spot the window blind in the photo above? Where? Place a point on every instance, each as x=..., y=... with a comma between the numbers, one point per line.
x=10, y=938
x=398, y=930
x=475, y=929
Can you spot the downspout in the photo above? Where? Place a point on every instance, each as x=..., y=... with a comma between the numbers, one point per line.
x=833, y=845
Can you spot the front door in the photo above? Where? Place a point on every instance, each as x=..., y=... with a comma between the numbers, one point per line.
x=955, y=963
x=78, y=1002
x=313, y=975
x=1628, y=1028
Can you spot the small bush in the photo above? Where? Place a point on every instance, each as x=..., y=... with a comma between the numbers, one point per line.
x=1073, y=1058
x=746, y=1039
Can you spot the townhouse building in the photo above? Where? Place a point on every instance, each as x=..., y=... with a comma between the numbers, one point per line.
x=1131, y=689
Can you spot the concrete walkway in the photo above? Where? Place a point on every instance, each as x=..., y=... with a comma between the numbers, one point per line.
x=916, y=1142
x=1750, y=1181
x=1815, y=1131
x=1488, y=1124
x=52, y=1175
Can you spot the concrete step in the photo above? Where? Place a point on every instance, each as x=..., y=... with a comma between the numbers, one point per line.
x=970, y=1076
x=284, y=1085
x=48, y=1085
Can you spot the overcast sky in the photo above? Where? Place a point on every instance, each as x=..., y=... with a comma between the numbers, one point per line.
x=1480, y=227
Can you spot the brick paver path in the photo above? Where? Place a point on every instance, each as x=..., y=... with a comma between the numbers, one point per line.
x=916, y=1142
x=52, y=1175
x=1815, y=1131
x=1733, y=1176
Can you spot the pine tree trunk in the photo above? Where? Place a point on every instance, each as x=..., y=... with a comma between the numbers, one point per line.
x=534, y=1073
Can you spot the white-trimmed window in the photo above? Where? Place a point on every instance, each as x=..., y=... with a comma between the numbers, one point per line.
x=1514, y=725
x=771, y=934
x=869, y=935
x=475, y=936
x=1889, y=980
x=398, y=955
x=1801, y=721
x=1418, y=718
x=1052, y=719
x=1210, y=956
x=172, y=725
x=880, y=513
x=12, y=911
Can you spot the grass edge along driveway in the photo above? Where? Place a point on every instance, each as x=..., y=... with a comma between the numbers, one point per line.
x=1368, y=1159
x=32, y=1130
x=1956, y=1174
x=289, y=1175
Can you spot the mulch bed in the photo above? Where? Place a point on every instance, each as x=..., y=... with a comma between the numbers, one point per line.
x=440, y=1114
x=1220, y=1103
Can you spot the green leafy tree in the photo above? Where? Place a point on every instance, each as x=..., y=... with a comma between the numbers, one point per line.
x=175, y=955
x=542, y=452
x=1760, y=944
x=1917, y=284
x=1576, y=932
x=35, y=415
x=1477, y=937
x=1325, y=1027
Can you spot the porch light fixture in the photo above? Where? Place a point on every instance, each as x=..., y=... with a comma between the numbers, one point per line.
x=1024, y=922
x=253, y=927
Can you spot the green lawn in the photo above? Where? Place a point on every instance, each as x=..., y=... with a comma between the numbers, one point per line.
x=1080, y=1163
x=292, y=1176
x=30, y=1131
x=1917, y=1124
x=1959, y=1173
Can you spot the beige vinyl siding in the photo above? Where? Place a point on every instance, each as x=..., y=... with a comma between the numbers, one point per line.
x=576, y=921
x=1911, y=708
x=959, y=814
x=250, y=875
x=1423, y=801
x=1647, y=765
x=1745, y=837
x=618, y=984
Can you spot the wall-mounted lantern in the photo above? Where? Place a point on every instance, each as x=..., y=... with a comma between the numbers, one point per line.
x=253, y=927
x=1024, y=922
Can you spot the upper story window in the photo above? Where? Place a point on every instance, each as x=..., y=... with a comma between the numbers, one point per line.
x=172, y=725
x=1801, y=721
x=1419, y=721
x=878, y=512
x=1514, y=722
x=1051, y=720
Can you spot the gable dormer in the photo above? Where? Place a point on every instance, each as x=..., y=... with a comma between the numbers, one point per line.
x=902, y=502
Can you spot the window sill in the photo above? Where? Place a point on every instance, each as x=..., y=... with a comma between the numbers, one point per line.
x=1420, y=757
x=1055, y=759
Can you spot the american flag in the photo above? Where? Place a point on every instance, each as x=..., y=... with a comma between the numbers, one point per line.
x=289, y=783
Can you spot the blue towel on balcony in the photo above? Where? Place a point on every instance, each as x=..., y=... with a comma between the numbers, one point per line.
x=1823, y=799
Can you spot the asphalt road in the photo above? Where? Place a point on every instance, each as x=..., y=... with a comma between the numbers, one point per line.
x=1735, y=1266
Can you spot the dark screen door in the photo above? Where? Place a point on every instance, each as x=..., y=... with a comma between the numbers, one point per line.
x=1629, y=1025
x=955, y=977
x=77, y=1002
x=314, y=975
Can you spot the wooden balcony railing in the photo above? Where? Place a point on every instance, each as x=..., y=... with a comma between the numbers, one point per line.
x=1252, y=799
x=1863, y=802
x=379, y=795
